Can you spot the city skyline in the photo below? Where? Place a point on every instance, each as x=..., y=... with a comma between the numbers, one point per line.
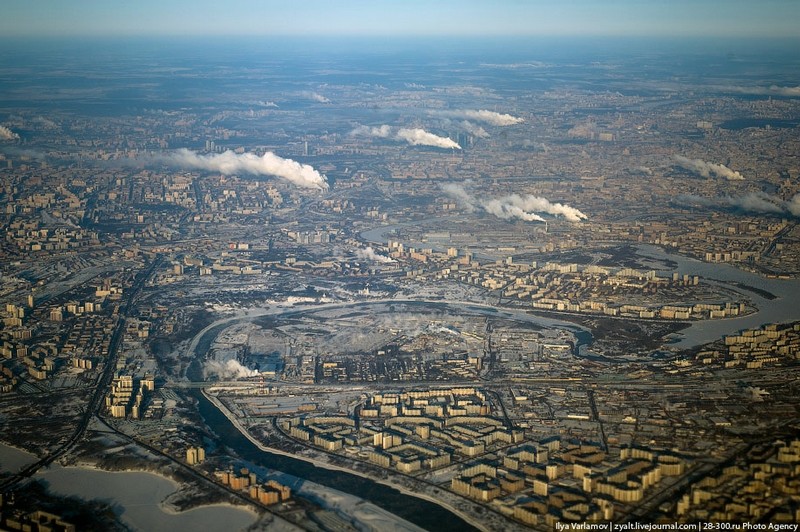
x=710, y=18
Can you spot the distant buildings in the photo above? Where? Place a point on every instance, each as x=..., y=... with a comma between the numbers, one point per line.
x=268, y=493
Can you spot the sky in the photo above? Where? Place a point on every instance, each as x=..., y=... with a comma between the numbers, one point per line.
x=716, y=18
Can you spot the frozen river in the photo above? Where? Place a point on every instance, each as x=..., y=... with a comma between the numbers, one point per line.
x=139, y=498
x=783, y=308
x=12, y=460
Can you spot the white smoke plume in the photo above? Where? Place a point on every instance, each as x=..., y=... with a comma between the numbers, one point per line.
x=7, y=134
x=459, y=193
x=420, y=137
x=757, y=203
x=772, y=90
x=535, y=146
x=383, y=131
x=473, y=129
x=753, y=203
x=586, y=130
x=415, y=137
x=434, y=328
x=230, y=369
x=315, y=96
x=793, y=205
x=527, y=208
x=370, y=254
x=229, y=163
x=506, y=210
x=704, y=169
x=785, y=91
x=45, y=122
x=487, y=117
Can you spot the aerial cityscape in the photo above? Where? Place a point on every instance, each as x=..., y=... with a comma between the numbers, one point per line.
x=289, y=281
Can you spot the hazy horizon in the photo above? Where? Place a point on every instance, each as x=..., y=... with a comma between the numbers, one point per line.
x=681, y=18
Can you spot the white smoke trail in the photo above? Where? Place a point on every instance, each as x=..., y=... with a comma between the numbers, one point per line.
x=487, y=117
x=420, y=137
x=229, y=163
x=756, y=202
x=772, y=90
x=370, y=254
x=315, y=96
x=459, y=193
x=793, y=205
x=506, y=211
x=230, y=369
x=383, y=131
x=586, y=130
x=705, y=169
x=753, y=203
x=525, y=208
x=7, y=134
x=474, y=129
x=784, y=91
x=415, y=137
x=45, y=122
x=442, y=329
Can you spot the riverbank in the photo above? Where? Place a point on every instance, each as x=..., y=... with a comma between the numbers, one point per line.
x=480, y=522
x=140, y=499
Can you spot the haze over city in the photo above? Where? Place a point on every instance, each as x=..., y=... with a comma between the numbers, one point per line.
x=399, y=265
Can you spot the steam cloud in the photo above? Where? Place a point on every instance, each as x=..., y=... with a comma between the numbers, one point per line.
x=7, y=134
x=383, y=131
x=704, y=169
x=462, y=197
x=420, y=137
x=45, y=122
x=508, y=208
x=585, y=130
x=230, y=369
x=772, y=90
x=415, y=137
x=754, y=203
x=513, y=206
x=525, y=207
x=474, y=129
x=793, y=205
x=370, y=254
x=487, y=117
x=228, y=163
x=315, y=96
